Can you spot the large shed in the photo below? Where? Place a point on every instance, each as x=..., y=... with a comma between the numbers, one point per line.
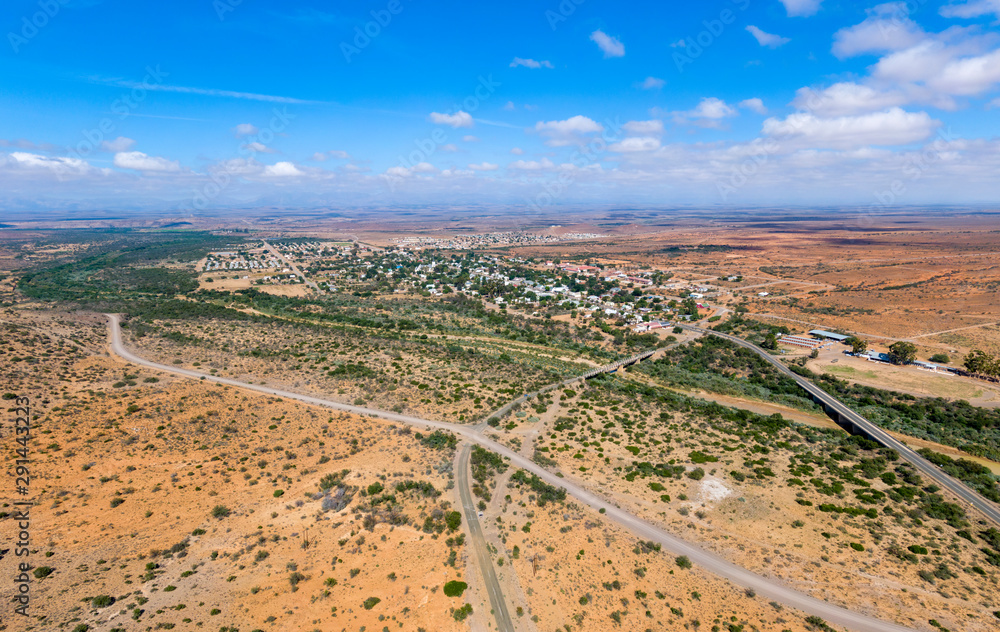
x=819, y=333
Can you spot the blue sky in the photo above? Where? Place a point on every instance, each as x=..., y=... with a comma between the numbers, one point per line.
x=194, y=105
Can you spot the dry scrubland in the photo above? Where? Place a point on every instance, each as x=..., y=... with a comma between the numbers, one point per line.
x=774, y=498
x=180, y=505
x=433, y=377
x=576, y=569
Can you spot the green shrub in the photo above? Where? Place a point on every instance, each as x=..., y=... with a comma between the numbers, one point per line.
x=220, y=511
x=857, y=547
x=683, y=561
x=455, y=588
x=371, y=602
x=102, y=601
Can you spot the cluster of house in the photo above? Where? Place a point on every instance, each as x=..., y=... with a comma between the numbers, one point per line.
x=471, y=242
x=254, y=260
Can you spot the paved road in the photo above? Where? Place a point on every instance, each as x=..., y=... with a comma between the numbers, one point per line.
x=766, y=588
x=477, y=542
x=832, y=404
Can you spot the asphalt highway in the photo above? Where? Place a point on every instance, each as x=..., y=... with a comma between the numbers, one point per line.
x=766, y=588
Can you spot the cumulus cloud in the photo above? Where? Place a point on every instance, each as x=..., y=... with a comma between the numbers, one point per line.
x=530, y=63
x=54, y=164
x=887, y=28
x=568, y=132
x=282, y=170
x=484, y=166
x=338, y=154
x=754, y=105
x=531, y=165
x=470, y=138
x=641, y=128
x=636, y=144
x=709, y=113
x=119, y=144
x=894, y=126
x=456, y=120
x=611, y=46
x=138, y=161
x=767, y=39
x=941, y=69
x=801, y=8
x=245, y=129
x=971, y=9
x=846, y=98
x=258, y=147
x=652, y=83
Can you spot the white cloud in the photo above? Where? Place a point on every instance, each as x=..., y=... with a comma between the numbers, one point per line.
x=452, y=147
x=456, y=120
x=258, y=147
x=767, y=39
x=245, y=129
x=530, y=63
x=56, y=164
x=611, y=46
x=892, y=127
x=470, y=139
x=887, y=28
x=995, y=103
x=641, y=128
x=568, y=132
x=678, y=44
x=971, y=9
x=509, y=106
x=709, y=113
x=119, y=144
x=517, y=151
x=138, y=161
x=846, y=98
x=282, y=170
x=754, y=105
x=801, y=8
x=485, y=166
x=652, y=83
x=941, y=69
x=531, y=165
x=636, y=144
x=338, y=154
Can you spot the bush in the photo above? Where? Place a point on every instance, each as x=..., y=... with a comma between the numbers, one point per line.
x=102, y=601
x=371, y=602
x=116, y=501
x=463, y=612
x=455, y=588
x=940, y=358
x=857, y=547
x=220, y=512
x=683, y=561
x=43, y=571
